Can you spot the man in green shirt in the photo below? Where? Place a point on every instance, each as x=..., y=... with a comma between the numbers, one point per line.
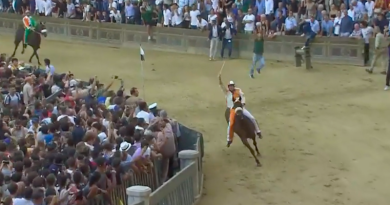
x=147, y=13
x=258, y=51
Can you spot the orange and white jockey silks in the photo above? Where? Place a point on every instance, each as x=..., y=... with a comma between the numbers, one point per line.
x=230, y=98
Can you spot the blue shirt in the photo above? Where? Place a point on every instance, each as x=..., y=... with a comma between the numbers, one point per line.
x=346, y=24
x=260, y=7
x=48, y=138
x=290, y=23
x=326, y=25
x=283, y=10
x=183, y=3
x=129, y=10
x=315, y=26
x=51, y=69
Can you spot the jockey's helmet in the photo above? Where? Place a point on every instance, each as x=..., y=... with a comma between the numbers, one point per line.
x=231, y=86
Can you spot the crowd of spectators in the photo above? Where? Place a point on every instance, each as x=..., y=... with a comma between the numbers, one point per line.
x=63, y=141
x=280, y=17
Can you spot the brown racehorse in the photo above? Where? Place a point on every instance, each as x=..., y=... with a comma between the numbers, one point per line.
x=244, y=128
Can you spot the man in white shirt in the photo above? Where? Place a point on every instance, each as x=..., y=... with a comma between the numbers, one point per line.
x=214, y=36
x=249, y=21
x=369, y=6
x=48, y=7
x=143, y=112
x=367, y=32
x=194, y=13
x=227, y=38
x=269, y=9
x=202, y=24
x=167, y=16
x=40, y=7
x=177, y=16
x=115, y=16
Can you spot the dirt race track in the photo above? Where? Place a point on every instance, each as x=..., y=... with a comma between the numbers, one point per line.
x=325, y=131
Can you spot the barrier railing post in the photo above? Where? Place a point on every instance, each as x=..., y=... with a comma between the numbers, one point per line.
x=186, y=158
x=137, y=194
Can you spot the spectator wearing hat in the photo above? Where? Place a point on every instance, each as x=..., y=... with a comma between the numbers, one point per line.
x=228, y=31
x=126, y=158
x=215, y=33
x=153, y=111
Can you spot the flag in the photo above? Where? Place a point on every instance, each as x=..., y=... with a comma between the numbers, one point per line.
x=142, y=53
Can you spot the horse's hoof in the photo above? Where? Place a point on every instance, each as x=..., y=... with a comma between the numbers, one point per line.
x=259, y=165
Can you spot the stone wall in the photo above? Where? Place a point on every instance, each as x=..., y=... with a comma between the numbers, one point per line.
x=324, y=49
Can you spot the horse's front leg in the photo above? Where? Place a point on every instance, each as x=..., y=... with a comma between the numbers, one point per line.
x=16, y=48
x=32, y=55
x=246, y=143
x=23, y=47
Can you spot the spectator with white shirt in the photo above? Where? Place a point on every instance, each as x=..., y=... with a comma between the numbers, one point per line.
x=202, y=24
x=116, y=16
x=167, y=16
x=269, y=10
x=40, y=7
x=211, y=16
x=48, y=7
x=49, y=67
x=227, y=38
x=70, y=9
x=194, y=13
x=367, y=32
x=369, y=6
x=177, y=16
x=144, y=113
x=249, y=21
x=215, y=32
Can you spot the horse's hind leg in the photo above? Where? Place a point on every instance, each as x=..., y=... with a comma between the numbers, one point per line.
x=36, y=55
x=255, y=144
x=246, y=143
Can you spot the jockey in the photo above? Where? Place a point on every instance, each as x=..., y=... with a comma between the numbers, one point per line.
x=29, y=25
x=231, y=94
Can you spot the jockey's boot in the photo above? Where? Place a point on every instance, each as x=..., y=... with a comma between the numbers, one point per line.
x=229, y=143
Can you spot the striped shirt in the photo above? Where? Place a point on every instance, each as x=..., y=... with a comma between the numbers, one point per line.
x=12, y=99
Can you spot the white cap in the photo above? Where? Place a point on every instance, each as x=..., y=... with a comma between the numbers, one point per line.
x=231, y=83
x=125, y=146
x=154, y=105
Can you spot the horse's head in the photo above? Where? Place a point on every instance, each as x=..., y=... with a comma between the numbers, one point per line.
x=41, y=28
x=238, y=107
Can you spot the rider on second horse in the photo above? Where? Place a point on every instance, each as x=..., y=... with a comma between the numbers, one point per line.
x=29, y=25
x=232, y=94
